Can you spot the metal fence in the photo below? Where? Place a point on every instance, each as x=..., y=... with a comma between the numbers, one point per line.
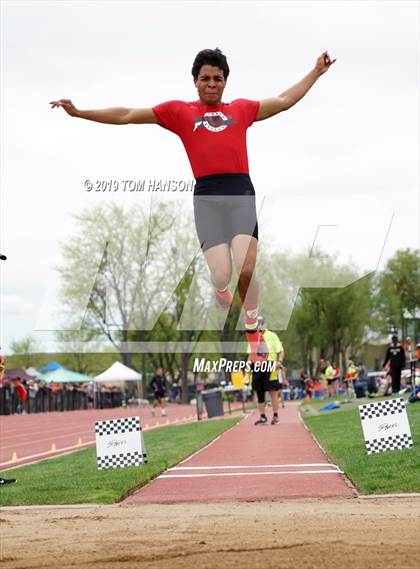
x=45, y=399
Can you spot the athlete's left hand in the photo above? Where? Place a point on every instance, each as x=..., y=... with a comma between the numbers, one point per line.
x=324, y=62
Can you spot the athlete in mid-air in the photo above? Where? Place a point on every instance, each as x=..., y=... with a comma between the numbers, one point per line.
x=214, y=137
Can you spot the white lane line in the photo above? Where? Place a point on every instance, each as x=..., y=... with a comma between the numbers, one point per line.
x=327, y=464
x=264, y=473
x=51, y=437
x=45, y=453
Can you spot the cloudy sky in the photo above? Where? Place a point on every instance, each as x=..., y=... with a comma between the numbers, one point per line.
x=345, y=156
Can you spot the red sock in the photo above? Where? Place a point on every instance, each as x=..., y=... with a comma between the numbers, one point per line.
x=251, y=316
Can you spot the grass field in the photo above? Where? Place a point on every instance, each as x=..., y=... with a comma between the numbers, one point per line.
x=340, y=433
x=74, y=479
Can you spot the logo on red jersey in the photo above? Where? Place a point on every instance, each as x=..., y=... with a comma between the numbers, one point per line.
x=215, y=121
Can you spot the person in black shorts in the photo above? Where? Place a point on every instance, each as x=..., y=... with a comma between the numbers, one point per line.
x=395, y=354
x=214, y=136
x=158, y=386
x=268, y=380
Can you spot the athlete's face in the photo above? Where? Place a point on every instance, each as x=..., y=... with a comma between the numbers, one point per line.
x=210, y=85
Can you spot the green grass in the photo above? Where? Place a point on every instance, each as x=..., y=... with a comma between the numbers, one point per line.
x=340, y=433
x=74, y=478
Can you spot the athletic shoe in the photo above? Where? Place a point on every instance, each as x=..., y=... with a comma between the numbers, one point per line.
x=259, y=349
x=261, y=421
x=224, y=298
x=163, y=414
x=275, y=421
x=7, y=481
x=153, y=413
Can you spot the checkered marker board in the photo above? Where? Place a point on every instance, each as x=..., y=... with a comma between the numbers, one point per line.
x=119, y=443
x=385, y=426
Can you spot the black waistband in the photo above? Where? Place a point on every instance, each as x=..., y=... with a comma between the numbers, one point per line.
x=224, y=184
x=222, y=177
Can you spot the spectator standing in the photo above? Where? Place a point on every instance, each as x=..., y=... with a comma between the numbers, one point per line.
x=263, y=381
x=4, y=481
x=329, y=376
x=409, y=348
x=395, y=354
x=321, y=375
x=307, y=385
x=350, y=376
x=22, y=394
x=158, y=386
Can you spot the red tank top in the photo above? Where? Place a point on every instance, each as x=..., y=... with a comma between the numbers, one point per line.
x=213, y=136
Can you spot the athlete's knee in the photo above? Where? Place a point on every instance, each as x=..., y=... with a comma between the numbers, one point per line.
x=220, y=277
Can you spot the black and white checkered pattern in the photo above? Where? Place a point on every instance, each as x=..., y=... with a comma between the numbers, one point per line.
x=381, y=408
x=396, y=442
x=121, y=460
x=116, y=426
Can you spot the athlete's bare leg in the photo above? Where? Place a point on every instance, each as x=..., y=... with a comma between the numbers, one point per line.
x=261, y=408
x=219, y=262
x=155, y=403
x=274, y=400
x=244, y=250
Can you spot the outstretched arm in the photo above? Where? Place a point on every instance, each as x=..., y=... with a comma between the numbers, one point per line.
x=275, y=105
x=115, y=115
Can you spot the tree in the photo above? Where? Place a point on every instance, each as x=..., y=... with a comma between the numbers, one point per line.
x=135, y=259
x=116, y=246
x=332, y=321
x=397, y=297
x=77, y=345
x=26, y=348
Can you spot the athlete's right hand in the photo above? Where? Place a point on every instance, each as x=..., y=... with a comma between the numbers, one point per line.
x=67, y=106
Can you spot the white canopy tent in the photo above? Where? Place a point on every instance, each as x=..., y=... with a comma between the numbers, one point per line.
x=118, y=373
x=116, y=376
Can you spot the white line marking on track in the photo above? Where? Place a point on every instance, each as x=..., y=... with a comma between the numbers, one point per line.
x=327, y=464
x=46, y=453
x=212, y=475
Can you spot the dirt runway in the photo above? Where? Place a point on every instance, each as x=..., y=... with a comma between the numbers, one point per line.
x=351, y=533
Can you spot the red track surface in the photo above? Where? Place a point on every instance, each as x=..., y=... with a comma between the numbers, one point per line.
x=251, y=463
x=32, y=436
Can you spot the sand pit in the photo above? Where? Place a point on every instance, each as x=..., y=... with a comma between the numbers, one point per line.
x=347, y=532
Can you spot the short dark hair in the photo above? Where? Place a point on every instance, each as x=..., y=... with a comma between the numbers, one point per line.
x=212, y=57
